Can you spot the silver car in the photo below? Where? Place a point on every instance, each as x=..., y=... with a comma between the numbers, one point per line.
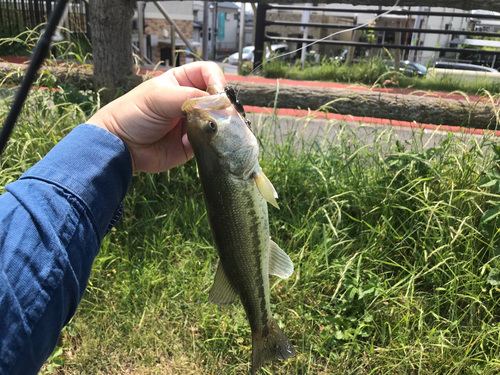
x=248, y=55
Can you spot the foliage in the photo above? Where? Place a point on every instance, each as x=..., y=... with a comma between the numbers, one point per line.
x=75, y=50
x=373, y=73
x=394, y=243
x=246, y=68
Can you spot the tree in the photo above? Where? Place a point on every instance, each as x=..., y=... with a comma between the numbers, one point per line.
x=111, y=26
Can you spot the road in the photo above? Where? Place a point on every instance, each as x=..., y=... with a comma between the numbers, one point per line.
x=322, y=130
x=228, y=68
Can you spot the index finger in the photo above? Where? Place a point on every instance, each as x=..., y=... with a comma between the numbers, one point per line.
x=199, y=75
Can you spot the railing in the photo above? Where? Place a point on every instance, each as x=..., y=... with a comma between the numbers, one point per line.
x=17, y=16
x=262, y=22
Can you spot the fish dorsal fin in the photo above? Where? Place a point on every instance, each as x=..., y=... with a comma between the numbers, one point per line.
x=266, y=189
x=222, y=293
x=280, y=264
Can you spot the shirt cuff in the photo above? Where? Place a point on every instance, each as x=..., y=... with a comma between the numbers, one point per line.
x=95, y=166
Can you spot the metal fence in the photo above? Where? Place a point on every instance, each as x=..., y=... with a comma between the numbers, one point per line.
x=17, y=16
x=492, y=56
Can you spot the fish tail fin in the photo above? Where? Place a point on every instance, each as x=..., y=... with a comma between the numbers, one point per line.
x=269, y=344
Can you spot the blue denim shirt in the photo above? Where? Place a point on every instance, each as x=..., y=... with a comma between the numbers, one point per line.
x=52, y=222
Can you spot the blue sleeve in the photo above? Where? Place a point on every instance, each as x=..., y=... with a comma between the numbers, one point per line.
x=52, y=222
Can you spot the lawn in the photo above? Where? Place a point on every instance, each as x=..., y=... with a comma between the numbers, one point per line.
x=395, y=250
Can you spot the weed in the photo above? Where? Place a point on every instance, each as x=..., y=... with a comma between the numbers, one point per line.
x=394, y=243
x=370, y=73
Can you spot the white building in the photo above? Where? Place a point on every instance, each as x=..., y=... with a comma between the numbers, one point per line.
x=424, y=22
x=225, y=16
x=450, y=22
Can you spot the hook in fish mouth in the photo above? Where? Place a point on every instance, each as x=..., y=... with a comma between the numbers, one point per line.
x=233, y=98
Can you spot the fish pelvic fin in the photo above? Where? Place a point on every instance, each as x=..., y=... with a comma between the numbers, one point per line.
x=222, y=293
x=270, y=344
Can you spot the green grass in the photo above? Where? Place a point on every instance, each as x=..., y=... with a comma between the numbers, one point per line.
x=372, y=73
x=395, y=250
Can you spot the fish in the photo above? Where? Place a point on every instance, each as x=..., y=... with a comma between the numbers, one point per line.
x=236, y=193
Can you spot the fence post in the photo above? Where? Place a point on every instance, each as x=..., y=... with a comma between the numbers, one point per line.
x=397, y=52
x=241, y=41
x=87, y=20
x=260, y=34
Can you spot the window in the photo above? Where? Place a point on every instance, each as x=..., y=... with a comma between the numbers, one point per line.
x=236, y=16
x=195, y=15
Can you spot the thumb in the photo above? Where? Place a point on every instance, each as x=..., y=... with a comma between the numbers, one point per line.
x=167, y=101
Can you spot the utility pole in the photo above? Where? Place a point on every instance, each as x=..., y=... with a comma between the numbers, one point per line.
x=140, y=19
x=242, y=36
x=204, y=47
x=214, y=29
x=306, y=14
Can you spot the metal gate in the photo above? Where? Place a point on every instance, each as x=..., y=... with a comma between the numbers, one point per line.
x=17, y=16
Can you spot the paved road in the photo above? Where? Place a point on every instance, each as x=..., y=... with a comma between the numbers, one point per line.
x=228, y=68
x=322, y=130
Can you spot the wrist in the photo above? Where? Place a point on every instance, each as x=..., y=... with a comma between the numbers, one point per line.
x=105, y=121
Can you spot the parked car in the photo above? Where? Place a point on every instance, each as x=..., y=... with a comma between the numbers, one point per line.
x=462, y=66
x=248, y=53
x=483, y=60
x=409, y=68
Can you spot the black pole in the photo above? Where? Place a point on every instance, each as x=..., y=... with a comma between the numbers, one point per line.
x=39, y=54
x=260, y=33
x=31, y=6
x=23, y=10
x=1, y=13
x=87, y=20
x=38, y=16
x=16, y=15
x=48, y=6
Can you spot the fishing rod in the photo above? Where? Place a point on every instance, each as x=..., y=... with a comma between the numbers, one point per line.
x=39, y=54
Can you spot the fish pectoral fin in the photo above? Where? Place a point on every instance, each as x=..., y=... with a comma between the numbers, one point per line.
x=280, y=264
x=222, y=293
x=266, y=188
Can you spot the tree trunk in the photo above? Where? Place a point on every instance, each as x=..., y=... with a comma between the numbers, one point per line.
x=426, y=110
x=111, y=24
x=421, y=109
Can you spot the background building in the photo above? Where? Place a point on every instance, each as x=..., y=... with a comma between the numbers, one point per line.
x=449, y=22
x=160, y=32
x=223, y=37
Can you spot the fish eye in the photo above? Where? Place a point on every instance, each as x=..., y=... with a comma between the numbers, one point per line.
x=211, y=126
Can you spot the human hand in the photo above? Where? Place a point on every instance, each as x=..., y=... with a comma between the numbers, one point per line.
x=149, y=119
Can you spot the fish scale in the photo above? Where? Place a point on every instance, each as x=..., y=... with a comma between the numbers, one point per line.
x=236, y=193
x=241, y=246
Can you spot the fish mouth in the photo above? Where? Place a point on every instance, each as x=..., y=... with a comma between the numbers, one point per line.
x=218, y=102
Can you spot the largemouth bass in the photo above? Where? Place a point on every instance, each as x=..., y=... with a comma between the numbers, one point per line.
x=236, y=193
